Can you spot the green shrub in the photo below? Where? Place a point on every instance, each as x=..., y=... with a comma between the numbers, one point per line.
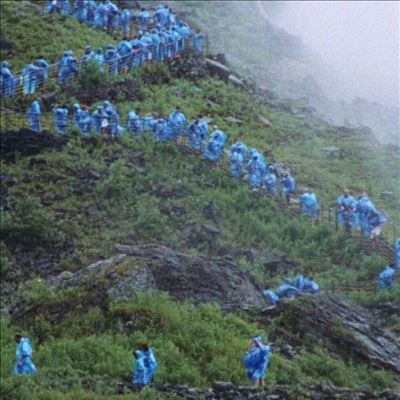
x=29, y=223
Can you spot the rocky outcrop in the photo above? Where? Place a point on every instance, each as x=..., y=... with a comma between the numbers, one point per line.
x=342, y=327
x=159, y=268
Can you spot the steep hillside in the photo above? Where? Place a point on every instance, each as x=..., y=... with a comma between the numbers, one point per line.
x=107, y=244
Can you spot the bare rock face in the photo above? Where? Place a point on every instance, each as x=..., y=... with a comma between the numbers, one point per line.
x=201, y=279
x=159, y=268
x=343, y=327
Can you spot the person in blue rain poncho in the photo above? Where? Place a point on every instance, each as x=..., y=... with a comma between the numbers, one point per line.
x=177, y=122
x=43, y=71
x=236, y=162
x=143, y=19
x=8, y=80
x=79, y=10
x=124, y=50
x=34, y=116
x=76, y=112
x=150, y=363
x=67, y=67
x=195, y=134
x=287, y=289
x=23, y=364
x=138, y=372
x=89, y=55
x=269, y=181
x=197, y=41
x=112, y=59
x=271, y=296
x=161, y=15
x=306, y=285
x=133, y=123
x=241, y=147
x=61, y=119
x=397, y=252
x=288, y=186
x=111, y=16
x=364, y=207
x=254, y=171
x=255, y=361
x=215, y=145
x=308, y=204
x=346, y=210
x=84, y=120
x=30, y=75
x=386, y=278
x=125, y=21
x=375, y=221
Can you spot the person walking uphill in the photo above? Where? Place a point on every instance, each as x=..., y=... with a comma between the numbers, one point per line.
x=23, y=357
x=256, y=360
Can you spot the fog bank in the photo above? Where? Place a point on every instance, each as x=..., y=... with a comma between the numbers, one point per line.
x=358, y=39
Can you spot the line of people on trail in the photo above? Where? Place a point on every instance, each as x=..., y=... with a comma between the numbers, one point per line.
x=260, y=176
x=359, y=213
x=290, y=288
x=243, y=162
x=168, y=38
x=106, y=15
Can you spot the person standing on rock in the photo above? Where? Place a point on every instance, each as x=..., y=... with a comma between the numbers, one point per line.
x=256, y=361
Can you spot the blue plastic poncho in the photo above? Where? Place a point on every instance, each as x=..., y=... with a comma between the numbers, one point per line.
x=236, y=162
x=270, y=182
x=288, y=186
x=150, y=365
x=124, y=50
x=386, y=278
x=215, y=145
x=139, y=370
x=178, y=121
x=8, y=81
x=112, y=59
x=346, y=211
x=43, y=71
x=271, y=296
x=125, y=21
x=143, y=19
x=34, y=116
x=30, y=75
x=23, y=364
x=309, y=205
x=254, y=172
x=197, y=42
x=375, y=221
x=84, y=121
x=286, y=289
x=60, y=119
x=397, y=252
x=256, y=360
x=195, y=134
x=364, y=207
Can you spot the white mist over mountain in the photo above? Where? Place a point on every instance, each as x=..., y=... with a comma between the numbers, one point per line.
x=358, y=39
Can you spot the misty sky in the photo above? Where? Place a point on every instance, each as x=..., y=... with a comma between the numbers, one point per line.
x=359, y=38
